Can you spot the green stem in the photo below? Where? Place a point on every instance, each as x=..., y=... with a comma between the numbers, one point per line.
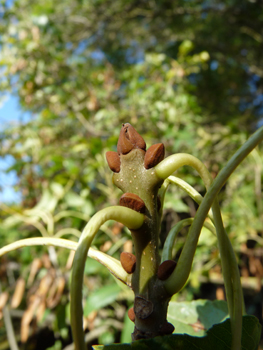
x=178, y=278
x=170, y=164
x=112, y=264
x=69, y=213
x=196, y=196
x=231, y=278
x=68, y=231
x=44, y=215
x=182, y=271
x=11, y=337
x=126, y=216
x=170, y=240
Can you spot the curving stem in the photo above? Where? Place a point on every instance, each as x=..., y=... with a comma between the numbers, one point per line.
x=171, y=237
x=196, y=196
x=126, y=216
x=113, y=265
x=229, y=265
x=231, y=275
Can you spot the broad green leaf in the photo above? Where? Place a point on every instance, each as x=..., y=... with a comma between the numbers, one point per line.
x=217, y=338
x=101, y=298
x=197, y=316
x=106, y=337
x=128, y=328
x=93, y=267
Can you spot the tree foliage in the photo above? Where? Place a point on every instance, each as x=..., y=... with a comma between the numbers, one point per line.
x=188, y=74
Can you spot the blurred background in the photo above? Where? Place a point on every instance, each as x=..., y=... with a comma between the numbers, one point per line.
x=187, y=73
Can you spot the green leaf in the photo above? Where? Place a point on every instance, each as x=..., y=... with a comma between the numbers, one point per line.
x=101, y=297
x=128, y=328
x=196, y=317
x=217, y=338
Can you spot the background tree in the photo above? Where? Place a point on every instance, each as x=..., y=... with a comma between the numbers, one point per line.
x=186, y=73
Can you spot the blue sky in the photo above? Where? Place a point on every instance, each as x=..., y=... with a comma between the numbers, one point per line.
x=10, y=112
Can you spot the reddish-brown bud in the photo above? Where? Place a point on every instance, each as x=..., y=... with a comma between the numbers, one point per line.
x=131, y=314
x=167, y=328
x=165, y=269
x=129, y=139
x=114, y=161
x=154, y=155
x=128, y=262
x=132, y=201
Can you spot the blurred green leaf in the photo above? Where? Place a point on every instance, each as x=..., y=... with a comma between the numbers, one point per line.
x=196, y=317
x=217, y=338
x=128, y=327
x=101, y=298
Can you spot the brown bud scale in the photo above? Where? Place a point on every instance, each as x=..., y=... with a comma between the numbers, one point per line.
x=132, y=201
x=154, y=155
x=131, y=314
x=128, y=262
x=165, y=269
x=129, y=139
x=114, y=161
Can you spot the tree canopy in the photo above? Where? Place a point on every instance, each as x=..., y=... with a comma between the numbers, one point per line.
x=185, y=73
x=85, y=67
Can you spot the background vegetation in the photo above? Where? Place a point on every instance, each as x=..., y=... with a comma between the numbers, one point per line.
x=185, y=73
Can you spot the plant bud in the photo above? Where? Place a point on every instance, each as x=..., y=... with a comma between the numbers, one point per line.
x=131, y=314
x=132, y=201
x=129, y=139
x=167, y=328
x=114, y=161
x=165, y=269
x=128, y=262
x=154, y=155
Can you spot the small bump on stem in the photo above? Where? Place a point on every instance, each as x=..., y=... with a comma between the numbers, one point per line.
x=165, y=269
x=154, y=155
x=128, y=262
x=132, y=201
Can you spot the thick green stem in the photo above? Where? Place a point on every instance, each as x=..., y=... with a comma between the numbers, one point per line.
x=170, y=164
x=126, y=216
x=149, y=291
